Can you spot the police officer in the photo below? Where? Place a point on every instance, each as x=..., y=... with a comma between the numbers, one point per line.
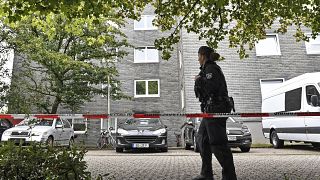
x=211, y=86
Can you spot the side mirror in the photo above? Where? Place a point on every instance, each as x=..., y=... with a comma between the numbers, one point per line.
x=190, y=123
x=314, y=100
x=59, y=126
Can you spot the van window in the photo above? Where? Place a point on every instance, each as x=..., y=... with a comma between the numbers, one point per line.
x=311, y=90
x=66, y=124
x=293, y=100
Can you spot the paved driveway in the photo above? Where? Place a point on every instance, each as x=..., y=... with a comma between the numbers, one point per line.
x=294, y=162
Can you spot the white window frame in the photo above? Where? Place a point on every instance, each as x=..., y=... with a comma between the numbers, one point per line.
x=260, y=50
x=145, y=27
x=135, y=60
x=85, y=122
x=312, y=42
x=147, y=90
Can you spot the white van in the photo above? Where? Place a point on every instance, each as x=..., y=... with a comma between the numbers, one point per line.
x=300, y=94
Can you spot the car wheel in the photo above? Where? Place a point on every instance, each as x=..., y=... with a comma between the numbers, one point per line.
x=316, y=145
x=187, y=146
x=195, y=144
x=119, y=150
x=71, y=143
x=276, y=142
x=245, y=148
x=50, y=141
x=164, y=149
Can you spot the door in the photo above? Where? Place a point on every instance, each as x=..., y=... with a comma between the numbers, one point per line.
x=188, y=130
x=312, y=123
x=58, y=137
x=292, y=127
x=66, y=132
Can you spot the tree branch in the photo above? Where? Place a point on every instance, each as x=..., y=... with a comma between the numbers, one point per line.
x=184, y=18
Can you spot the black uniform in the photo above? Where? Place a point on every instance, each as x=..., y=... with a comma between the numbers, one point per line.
x=212, y=137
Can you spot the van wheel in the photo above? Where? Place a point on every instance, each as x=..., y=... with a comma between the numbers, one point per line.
x=195, y=144
x=50, y=141
x=164, y=149
x=245, y=148
x=119, y=150
x=187, y=146
x=275, y=141
x=71, y=143
x=316, y=145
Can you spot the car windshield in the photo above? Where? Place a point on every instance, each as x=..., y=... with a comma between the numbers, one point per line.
x=44, y=122
x=319, y=84
x=23, y=123
x=36, y=122
x=143, y=122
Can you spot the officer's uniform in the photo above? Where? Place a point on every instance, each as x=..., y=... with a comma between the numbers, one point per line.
x=212, y=137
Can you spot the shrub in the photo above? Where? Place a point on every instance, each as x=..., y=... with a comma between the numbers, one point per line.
x=38, y=162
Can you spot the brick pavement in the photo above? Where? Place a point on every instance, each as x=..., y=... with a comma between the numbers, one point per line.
x=259, y=163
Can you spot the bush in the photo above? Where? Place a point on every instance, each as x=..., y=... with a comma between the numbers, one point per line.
x=38, y=162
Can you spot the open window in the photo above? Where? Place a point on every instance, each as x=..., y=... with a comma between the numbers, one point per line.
x=311, y=90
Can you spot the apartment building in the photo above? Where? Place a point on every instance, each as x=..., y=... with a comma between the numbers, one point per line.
x=159, y=86
x=278, y=57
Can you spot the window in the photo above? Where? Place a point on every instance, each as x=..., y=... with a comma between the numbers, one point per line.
x=66, y=124
x=5, y=123
x=79, y=125
x=313, y=46
x=311, y=90
x=107, y=123
x=269, y=46
x=59, y=122
x=146, y=55
x=145, y=23
x=293, y=100
x=146, y=88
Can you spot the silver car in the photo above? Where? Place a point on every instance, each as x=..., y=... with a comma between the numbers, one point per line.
x=142, y=134
x=54, y=132
x=238, y=134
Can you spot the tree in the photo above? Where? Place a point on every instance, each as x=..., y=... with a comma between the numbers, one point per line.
x=243, y=22
x=65, y=61
x=5, y=75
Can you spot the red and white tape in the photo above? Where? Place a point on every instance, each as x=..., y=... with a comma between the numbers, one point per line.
x=149, y=115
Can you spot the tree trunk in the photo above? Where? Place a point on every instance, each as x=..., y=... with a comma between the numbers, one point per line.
x=55, y=105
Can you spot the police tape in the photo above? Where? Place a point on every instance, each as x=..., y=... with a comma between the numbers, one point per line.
x=158, y=115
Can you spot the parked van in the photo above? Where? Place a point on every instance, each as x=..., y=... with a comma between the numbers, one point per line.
x=300, y=94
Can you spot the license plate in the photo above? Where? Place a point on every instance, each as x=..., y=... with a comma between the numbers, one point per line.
x=17, y=140
x=140, y=145
x=232, y=138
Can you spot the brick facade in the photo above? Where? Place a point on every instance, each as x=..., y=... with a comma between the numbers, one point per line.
x=243, y=76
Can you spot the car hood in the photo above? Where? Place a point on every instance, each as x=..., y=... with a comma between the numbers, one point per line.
x=232, y=125
x=28, y=128
x=141, y=130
